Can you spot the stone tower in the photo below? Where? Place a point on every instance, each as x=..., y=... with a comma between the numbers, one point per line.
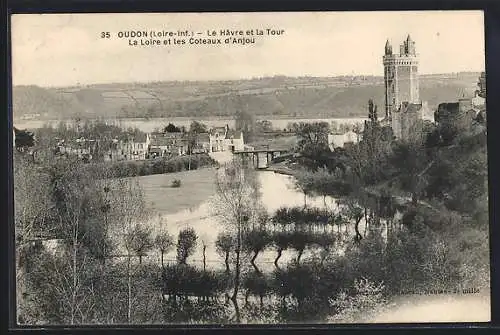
x=400, y=76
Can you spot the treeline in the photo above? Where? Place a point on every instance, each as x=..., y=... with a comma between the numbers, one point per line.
x=50, y=135
x=122, y=169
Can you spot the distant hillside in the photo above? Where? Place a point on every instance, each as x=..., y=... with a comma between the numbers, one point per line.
x=275, y=96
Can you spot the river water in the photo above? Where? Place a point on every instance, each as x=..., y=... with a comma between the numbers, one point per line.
x=276, y=190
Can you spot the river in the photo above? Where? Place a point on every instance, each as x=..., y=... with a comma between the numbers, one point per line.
x=149, y=125
x=276, y=190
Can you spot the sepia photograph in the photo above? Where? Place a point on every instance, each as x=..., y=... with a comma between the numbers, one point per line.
x=250, y=168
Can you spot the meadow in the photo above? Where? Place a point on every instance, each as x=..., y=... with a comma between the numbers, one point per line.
x=196, y=187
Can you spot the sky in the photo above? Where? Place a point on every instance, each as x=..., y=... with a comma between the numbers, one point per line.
x=51, y=50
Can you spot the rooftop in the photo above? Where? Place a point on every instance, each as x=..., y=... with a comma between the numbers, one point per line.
x=235, y=134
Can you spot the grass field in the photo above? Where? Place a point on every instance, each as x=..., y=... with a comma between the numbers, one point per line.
x=197, y=186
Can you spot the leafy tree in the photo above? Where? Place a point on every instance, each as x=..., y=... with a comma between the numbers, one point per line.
x=368, y=159
x=372, y=111
x=312, y=137
x=24, y=139
x=197, y=127
x=186, y=243
x=282, y=241
x=299, y=241
x=139, y=240
x=245, y=122
x=304, y=182
x=224, y=245
x=264, y=126
x=410, y=160
x=163, y=242
x=171, y=128
x=255, y=241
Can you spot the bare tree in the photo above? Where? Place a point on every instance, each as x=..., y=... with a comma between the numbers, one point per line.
x=237, y=200
x=224, y=245
x=128, y=209
x=163, y=242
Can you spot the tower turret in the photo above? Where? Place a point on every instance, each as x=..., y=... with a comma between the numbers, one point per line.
x=401, y=76
x=388, y=48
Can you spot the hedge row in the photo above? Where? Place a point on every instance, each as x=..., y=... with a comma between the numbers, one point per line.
x=158, y=166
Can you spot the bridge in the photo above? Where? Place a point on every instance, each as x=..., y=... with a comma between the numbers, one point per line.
x=260, y=158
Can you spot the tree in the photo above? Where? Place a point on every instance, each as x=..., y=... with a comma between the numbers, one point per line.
x=372, y=111
x=411, y=161
x=139, y=241
x=324, y=183
x=128, y=209
x=186, y=243
x=245, y=122
x=304, y=182
x=24, y=139
x=353, y=212
x=163, y=242
x=264, y=126
x=281, y=240
x=224, y=245
x=369, y=158
x=171, y=128
x=71, y=193
x=197, y=127
x=312, y=137
x=255, y=241
x=237, y=200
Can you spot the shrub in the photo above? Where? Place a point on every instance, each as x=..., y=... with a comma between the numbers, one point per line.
x=367, y=297
x=182, y=280
x=176, y=183
x=186, y=244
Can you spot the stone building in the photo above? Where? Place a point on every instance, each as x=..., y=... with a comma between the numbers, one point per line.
x=339, y=140
x=403, y=107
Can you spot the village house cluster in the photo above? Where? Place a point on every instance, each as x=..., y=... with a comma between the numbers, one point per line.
x=153, y=145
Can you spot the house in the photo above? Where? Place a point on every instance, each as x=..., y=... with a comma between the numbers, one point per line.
x=160, y=147
x=128, y=148
x=458, y=115
x=233, y=141
x=202, y=143
x=167, y=144
x=338, y=140
x=216, y=138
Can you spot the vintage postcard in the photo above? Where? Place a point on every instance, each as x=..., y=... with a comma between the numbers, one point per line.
x=250, y=168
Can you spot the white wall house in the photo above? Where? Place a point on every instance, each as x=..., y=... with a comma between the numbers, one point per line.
x=233, y=141
x=130, y=149
x=216, y=138
x=339, y=140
